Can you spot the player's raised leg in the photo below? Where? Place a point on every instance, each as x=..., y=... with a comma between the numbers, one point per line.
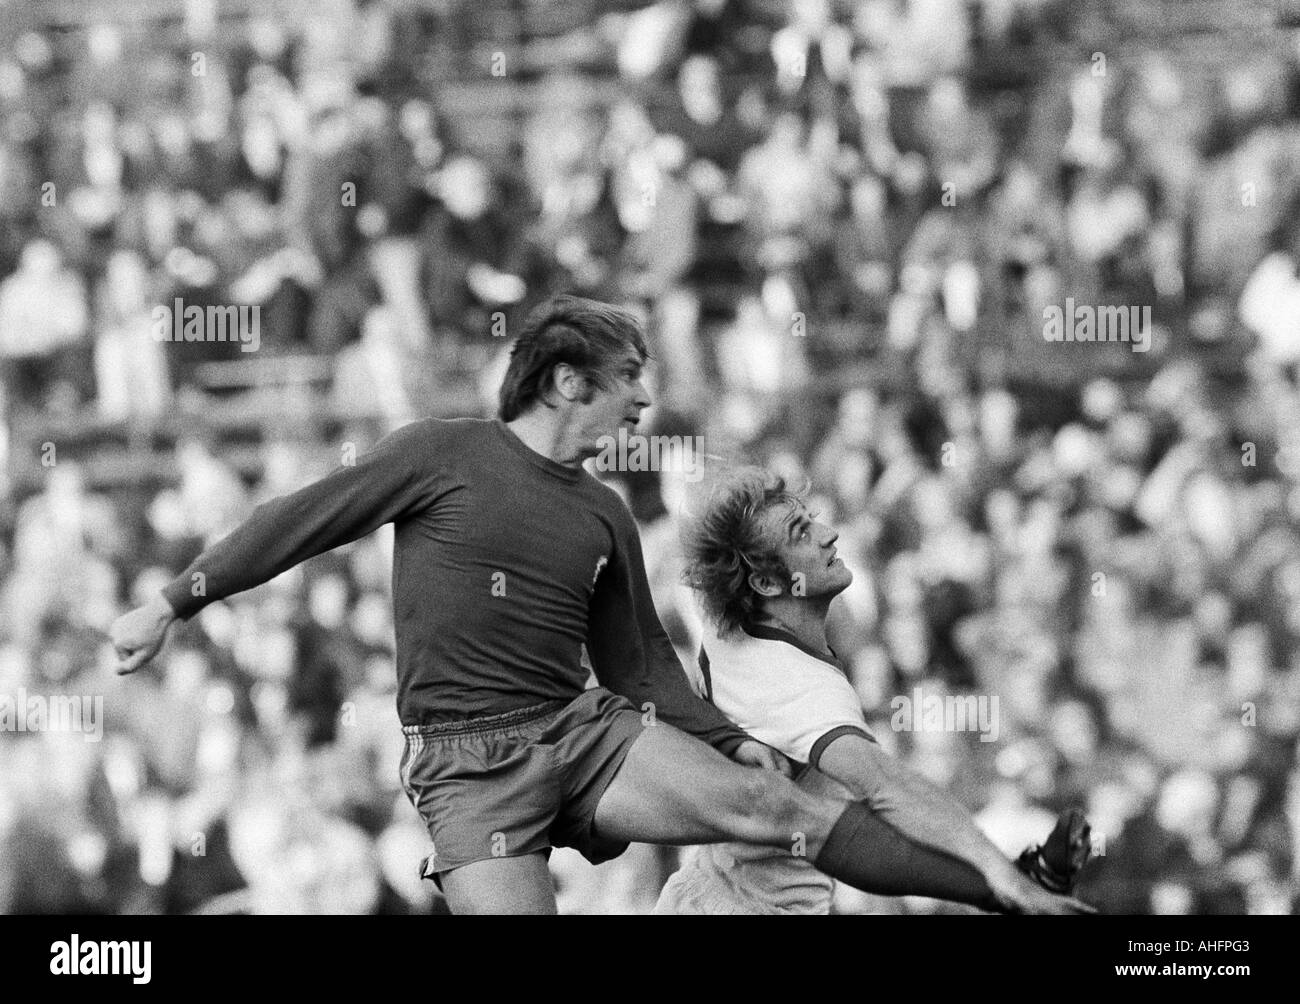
x=501, y=885
x=674, y=789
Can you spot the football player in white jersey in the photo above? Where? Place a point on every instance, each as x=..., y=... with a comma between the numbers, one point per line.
x=765, y=571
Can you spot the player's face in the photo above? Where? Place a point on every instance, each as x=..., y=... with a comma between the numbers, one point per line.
x=807, y=547
x=617, y=405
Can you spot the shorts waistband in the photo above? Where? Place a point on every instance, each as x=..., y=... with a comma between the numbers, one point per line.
x=488, y=723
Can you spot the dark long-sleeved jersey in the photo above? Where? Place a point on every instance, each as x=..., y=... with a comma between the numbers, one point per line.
x=505, y=563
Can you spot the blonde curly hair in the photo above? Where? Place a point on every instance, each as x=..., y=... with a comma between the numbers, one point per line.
x=724, y=544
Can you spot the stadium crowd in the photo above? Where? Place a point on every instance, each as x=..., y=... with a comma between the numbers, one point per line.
x=842, y=223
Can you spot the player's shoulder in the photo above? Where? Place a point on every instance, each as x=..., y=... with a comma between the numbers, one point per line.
x=779, y=691
x=751, y=653
x=759, y=644
x=458, y=428
x=607, y=499
x=445, y=431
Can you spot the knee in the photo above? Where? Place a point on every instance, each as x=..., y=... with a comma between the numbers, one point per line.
x=766, y=808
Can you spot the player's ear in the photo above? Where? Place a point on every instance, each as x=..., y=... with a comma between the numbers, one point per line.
x=765, y=584
x=568, y=382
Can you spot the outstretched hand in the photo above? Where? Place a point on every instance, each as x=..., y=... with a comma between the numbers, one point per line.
x=138, y=634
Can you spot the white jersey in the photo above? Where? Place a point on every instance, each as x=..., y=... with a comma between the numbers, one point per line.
x=783, y=694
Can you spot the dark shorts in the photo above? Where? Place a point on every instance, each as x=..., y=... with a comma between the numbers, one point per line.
x=520, y=782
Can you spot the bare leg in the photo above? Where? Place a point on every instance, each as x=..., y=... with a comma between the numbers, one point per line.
x=674, y=789
x=501, y=885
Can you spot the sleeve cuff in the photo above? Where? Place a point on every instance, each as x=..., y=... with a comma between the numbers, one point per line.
x=819, y=747
x=731, y=742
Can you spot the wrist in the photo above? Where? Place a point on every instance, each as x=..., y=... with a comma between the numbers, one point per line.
x=161, y=609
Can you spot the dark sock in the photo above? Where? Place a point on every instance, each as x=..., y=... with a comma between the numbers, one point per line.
x=869, y=854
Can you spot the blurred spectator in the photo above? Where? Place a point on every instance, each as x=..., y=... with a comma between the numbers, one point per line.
x=43, y=328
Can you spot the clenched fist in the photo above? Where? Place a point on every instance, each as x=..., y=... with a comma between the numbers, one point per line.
x=138, y=635
x=752, y=753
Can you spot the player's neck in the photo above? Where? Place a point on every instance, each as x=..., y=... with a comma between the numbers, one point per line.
x=802, y=617
x=538, y=431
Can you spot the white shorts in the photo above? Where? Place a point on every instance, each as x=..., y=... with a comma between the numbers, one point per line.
x=737, y=879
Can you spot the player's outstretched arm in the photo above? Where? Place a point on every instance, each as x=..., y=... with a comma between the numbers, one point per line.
x=633, y=656
x=916, y=811
x=341, y=507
